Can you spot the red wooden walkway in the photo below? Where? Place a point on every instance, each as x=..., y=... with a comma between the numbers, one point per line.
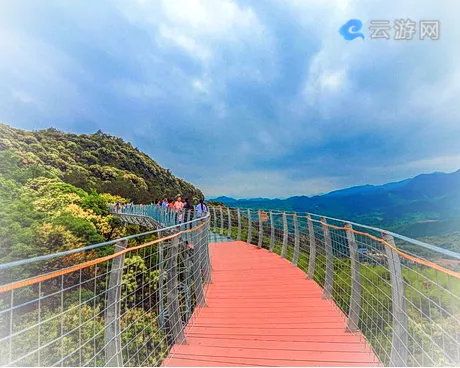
x=263, y=312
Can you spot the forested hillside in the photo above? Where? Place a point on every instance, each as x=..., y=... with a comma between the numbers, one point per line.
x=55, y=189
x=94, y=162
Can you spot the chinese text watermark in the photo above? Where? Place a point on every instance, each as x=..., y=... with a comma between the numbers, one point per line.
x=399, y=29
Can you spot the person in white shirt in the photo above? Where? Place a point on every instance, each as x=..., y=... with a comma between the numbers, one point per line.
x=201, y=209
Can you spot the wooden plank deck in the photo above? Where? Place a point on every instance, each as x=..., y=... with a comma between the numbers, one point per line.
x=261, y=311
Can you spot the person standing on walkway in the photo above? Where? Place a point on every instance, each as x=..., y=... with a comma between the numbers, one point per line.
x=178, y=206
x=165, y=203
x=188, y=207
x=201, y=209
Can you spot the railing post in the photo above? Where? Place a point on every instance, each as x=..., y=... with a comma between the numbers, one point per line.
x=295, y=258
x=355, y=302
x=215, y=218
x=328, y=282
x=285, y=235
x=272, y=232
x=221, y=220
x=113, y=355
x=202, y=249
x=239, y=224
x=188, y=264
x=207, y=257
x=249, y=227
x=261, y=230
x=196, y=271
x=399, y=343
x=175, y=323
x=161, y=313
x=229, y=232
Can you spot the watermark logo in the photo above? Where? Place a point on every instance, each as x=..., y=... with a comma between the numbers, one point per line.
x=350, y=30
x=404, y=29
x=429, y=28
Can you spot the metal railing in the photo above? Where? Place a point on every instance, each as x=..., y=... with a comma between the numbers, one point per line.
x=402, y=295
x=120, y=303
x=126, y=302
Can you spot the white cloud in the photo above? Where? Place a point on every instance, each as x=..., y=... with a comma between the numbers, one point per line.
x=439, y=100
x=326, y=81
x=197, y=26
x=242, y=84
x=23, y=97
x=48, y=85
x=215, y=19
x=200, y=86
x=187, y=43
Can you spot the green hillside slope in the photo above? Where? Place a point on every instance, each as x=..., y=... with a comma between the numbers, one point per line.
x=97, y=161
x=55, y=189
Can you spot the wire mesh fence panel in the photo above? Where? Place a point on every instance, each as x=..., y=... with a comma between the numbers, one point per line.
x=120, y=303
x=304, y=243
x=223, y=221
x=266, y=230
x=401, y=295
x=255, y=227
x=278, y=232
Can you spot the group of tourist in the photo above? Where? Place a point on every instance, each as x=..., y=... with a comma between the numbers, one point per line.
x=199, y=210
x=119, y=206
x=178, y=205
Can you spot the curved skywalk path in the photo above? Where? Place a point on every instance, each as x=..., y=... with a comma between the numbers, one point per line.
x=261, y=311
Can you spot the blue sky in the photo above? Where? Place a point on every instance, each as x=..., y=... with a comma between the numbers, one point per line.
x=242, y=98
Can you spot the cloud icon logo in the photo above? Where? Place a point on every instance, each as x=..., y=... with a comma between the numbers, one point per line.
x=350, y=29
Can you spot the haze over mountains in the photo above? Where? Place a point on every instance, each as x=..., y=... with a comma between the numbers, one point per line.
x=424, y=205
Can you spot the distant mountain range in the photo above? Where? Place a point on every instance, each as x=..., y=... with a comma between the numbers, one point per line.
x=427, y=197
x=224, y=199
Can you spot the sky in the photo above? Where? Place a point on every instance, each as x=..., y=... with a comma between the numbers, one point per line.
x=242, y=98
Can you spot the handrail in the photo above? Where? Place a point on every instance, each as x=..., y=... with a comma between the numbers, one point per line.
x=128, y=307
x=131, y=304
x=404, y=304
x=5, y=266
x=65, y=271
x=395, y=235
